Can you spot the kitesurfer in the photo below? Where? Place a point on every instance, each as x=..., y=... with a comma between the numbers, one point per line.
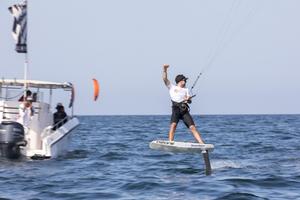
x=180, y=97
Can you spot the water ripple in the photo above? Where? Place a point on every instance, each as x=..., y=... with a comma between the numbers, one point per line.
x=255, y=157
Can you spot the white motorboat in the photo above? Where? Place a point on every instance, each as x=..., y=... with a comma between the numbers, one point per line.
x=39, y=138
x=27, y=125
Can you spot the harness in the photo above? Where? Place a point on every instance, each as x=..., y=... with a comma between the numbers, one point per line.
x=182, y=106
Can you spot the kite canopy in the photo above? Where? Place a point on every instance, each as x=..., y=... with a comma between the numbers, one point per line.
x=96, y=89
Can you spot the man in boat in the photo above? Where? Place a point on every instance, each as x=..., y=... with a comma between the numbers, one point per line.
x=180, y=97
x=59, y=117
x=26, y=111
x=27, y=97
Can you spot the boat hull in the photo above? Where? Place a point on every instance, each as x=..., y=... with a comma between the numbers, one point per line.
x=59, y=144
x=54, y=143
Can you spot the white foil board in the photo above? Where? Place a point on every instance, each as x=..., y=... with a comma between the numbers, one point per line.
x=184, y=147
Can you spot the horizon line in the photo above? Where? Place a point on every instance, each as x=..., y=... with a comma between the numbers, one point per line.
x=266, y=114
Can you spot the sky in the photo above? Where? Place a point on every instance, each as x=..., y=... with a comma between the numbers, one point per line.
x=123, y=44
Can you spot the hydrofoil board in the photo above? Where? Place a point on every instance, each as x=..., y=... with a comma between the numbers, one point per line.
x=184, y=147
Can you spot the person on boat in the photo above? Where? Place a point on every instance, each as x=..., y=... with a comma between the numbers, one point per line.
x=28, y=95
x=34, y=97
x=180, y=98
x=59, y=117
x=26, y=112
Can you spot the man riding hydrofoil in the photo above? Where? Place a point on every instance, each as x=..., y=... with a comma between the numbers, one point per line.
x=180, y=97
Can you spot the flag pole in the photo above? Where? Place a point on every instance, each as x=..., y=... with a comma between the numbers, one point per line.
x=26, y=57
x=25, y=75
x=19, y=32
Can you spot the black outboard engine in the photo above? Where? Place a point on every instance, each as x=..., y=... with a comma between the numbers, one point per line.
x=11, y=138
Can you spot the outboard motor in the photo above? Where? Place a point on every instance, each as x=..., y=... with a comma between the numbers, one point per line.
x=11, y=138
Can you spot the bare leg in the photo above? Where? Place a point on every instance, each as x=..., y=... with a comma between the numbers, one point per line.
x=196, y=134
x=172, y=131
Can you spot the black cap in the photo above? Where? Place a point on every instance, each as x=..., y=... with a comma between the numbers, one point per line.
x=179, y=78
x=28, y=92
x=59, y=105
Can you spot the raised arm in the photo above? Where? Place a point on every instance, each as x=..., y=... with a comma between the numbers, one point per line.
x=165, y=74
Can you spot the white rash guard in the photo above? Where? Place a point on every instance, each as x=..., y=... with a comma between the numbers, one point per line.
x=178, y=94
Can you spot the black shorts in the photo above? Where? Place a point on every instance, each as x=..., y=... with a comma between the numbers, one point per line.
x=184, y=116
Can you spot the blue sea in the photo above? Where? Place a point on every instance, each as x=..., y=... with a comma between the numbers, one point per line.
x=255, y=157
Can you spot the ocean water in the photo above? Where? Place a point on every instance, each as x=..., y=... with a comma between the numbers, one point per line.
x=255, y=157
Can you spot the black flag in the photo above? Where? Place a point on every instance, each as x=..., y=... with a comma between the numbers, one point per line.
x=19, y=31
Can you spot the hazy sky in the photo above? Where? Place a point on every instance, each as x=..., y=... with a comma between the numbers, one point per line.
x=124, y=44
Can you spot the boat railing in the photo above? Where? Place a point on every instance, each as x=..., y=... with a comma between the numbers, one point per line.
x=10, y=110
x=51, y=129
x=60, y=123
x=14, y=94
